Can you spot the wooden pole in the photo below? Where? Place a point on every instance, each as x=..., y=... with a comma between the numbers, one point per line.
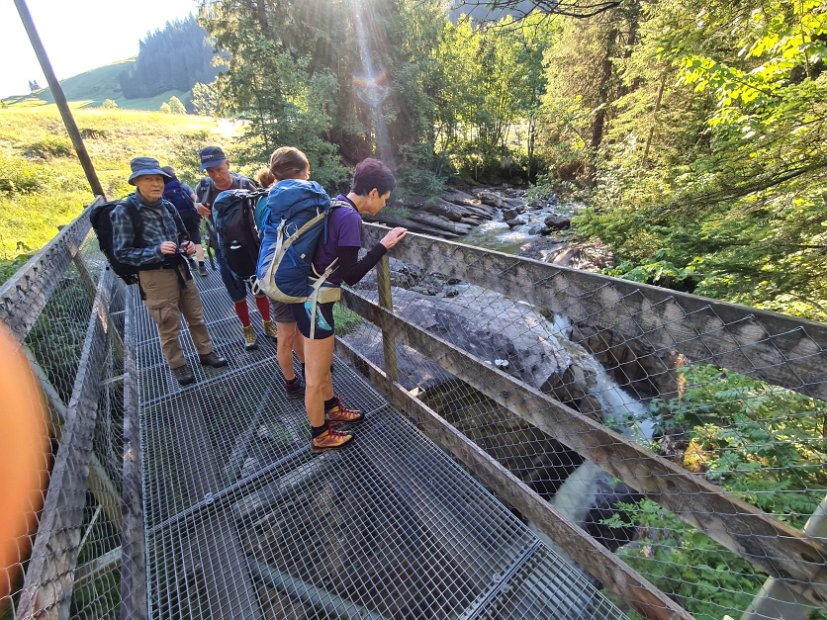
x=383, y=280
x=60, y=99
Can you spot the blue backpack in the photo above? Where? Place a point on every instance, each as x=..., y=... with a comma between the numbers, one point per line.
x=296, y=222
x=178, y=196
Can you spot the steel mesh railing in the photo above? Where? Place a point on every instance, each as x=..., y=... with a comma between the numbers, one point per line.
x=60, y=307
x=731, y=395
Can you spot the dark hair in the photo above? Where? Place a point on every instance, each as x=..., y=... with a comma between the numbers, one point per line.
x=372, y=174
x=265, y=178
x=288, y=162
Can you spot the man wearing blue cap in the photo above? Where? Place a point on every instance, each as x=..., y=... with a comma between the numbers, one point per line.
x=166, y=283
x=219, y=179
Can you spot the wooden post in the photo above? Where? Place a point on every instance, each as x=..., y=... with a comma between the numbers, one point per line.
x=60, y=99
x=383, y=281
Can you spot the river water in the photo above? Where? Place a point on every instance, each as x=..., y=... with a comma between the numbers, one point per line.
x=524, y=238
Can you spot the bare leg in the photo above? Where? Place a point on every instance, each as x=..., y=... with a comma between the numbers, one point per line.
x=289, y=340
x=318, y=378
x=199, y=253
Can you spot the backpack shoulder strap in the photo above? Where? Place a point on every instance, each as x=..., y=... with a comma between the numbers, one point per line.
x=176, y=219
x=137, y=222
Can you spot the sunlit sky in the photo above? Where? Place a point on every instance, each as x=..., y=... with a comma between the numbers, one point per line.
x=78, y=35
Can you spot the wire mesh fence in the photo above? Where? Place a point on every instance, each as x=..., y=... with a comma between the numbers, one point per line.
x=691, y=440
x=59, y=307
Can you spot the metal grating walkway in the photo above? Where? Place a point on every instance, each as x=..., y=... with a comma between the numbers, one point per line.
x=242, y=522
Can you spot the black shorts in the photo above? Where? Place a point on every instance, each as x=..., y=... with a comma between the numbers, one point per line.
x=281, y=312
x=192, y=222
x=324, y=319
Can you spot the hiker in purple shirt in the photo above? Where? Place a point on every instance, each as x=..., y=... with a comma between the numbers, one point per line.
x=372, y=185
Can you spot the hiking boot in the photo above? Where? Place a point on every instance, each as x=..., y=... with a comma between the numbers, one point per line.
x=213, y=360
x=183, y=375
x=294, y=388
x=329, y=440
x=250, y=339
x=202, y=269
x=270, y=330
x=340, y=413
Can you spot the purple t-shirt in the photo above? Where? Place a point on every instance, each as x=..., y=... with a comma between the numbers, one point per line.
x=344, y=229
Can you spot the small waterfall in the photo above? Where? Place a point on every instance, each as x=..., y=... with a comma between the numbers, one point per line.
x=576, y=496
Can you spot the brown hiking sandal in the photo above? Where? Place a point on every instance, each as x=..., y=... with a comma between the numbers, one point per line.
x=331, y=439
x=340, y=413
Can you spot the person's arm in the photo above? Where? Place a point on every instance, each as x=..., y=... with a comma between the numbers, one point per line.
x=351, y=268
x=123, y=239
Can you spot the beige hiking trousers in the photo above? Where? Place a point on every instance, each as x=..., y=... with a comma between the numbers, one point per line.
x=166, y=302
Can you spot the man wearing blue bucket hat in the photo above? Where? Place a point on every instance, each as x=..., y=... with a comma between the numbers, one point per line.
x=159, y=251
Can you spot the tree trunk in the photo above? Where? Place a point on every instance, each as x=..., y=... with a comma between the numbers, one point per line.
x=599, y=124
x=651, y=135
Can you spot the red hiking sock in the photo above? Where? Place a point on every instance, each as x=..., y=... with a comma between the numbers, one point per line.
x=263, y=307
x=243, y=312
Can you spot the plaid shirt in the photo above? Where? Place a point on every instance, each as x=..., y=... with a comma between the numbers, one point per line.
x=159, y=225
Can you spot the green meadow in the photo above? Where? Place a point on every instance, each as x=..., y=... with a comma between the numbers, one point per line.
x=42, y=185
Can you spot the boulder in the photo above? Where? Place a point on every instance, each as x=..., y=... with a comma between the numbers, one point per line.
x=490, y=198
x=417, y=226
x=509, y=335
x=517, y=220
x=453, y=212
x=459, y=197
x=588, y=256
x=439, y=223
x=558, y=221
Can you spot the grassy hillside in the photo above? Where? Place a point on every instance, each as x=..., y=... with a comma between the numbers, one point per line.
x=42, y=185
x=91, y=88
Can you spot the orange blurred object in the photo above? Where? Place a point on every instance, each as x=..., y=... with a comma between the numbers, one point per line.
x=23, y=457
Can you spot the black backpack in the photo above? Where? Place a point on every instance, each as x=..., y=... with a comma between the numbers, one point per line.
x=179, y=197
x=235, y=226
x=101, y=218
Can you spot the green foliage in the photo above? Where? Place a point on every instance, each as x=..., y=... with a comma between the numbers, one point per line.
x=50, y=146
x=488, y=83
x=39, y=194
x=174, y=58
x=421, y=176
x=716, y=155
x=205, y=99
x=700, y=575
x=762, y=443
x=175, y=106
x=165, y=108
x=17, y=176
x=346, y=320
x=109, y=104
